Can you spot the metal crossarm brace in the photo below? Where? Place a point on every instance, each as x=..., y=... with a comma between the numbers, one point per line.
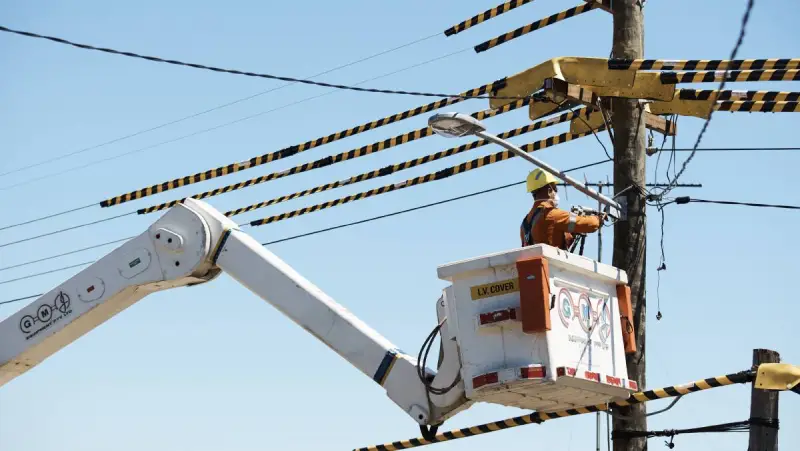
x=560, y=90
x=629, y=79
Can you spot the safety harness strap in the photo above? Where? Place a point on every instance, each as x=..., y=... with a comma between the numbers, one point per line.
x=527, y=226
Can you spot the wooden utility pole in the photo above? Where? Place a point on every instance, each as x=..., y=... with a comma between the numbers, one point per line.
x=764, y=404
x=629, y=235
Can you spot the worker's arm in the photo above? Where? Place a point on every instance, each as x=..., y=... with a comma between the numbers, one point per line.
x=571, y=223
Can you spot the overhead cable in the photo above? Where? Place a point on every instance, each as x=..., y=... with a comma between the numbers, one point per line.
x=30, y=276
x=687, y=149
x=287, y=151
x=708, y=94
x=484, y=16
x=726, y=149
x=327, y=229
x=671, y=78
x=223, y=125
x=539, y=24
x=729, y=64
x=65, y=229
x=50, y=216
x=218, y=107
x=736, y=426
x=333, y=159
x=10, y=301
x=391, y=169
x=758, y=106
x=721, y=87
x=686, y=200
x=247, y=73
x=742, y=377
x=438, y=175
x=50, y=257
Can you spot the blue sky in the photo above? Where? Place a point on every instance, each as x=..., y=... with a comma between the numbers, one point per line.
x=213, y=366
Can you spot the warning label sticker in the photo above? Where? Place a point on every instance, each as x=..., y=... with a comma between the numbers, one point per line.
x=498, y=288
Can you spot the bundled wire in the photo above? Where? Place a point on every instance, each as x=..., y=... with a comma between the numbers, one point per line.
x=737, y=426
x=539, y=24
x=327, y=161
x=388, y=170
x=314, y=232
x=293, y=150
x=729, y=64
x=439, y=175
x=708, y=94
x=422, y=364
x=484, y=16
x=671, y=78
x=749, y=106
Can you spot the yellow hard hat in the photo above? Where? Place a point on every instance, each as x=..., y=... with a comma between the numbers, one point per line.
x=539, y=178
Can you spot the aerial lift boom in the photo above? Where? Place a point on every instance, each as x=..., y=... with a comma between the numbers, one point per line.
x=505, y=339
x=192, y=244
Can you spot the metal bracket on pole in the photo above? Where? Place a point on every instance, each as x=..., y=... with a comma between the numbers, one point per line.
x=623, y=210
x=559, y=91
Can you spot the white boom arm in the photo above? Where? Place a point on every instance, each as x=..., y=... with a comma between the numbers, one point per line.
x=191, y=244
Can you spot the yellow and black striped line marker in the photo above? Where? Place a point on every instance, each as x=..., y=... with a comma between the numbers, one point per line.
x=327, y=161
x=292, y=150
x=565, y=117
x=539, y=24
x=438, y=175
x=537, y=417
x=748, y=106
x=752, y=64
x=484, y=16
x=671, y=78
x=758, y=96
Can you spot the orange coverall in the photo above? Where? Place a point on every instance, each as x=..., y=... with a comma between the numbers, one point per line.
x=550, y=225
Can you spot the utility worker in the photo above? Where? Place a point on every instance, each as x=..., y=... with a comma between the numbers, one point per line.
x=545, y=223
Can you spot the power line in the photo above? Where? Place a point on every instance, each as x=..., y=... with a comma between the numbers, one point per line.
x=226, y=124
x=218, y=107
x=327, y=229
x=30, y=276
x=707, y=149
x=735, y=50
x=359, y=152
x=427, y=178
x=66, y=229
x=21, y=299
x=726, y=149
x=686, y=200
x=42, y=218
x=246, y=73
x=39, y=260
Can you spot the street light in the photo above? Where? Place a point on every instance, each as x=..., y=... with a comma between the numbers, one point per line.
x=457, y=125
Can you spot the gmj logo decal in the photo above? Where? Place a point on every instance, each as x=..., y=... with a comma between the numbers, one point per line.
x=47, y=314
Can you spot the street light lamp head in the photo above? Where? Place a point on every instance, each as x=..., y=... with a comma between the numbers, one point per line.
x=455, y=125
